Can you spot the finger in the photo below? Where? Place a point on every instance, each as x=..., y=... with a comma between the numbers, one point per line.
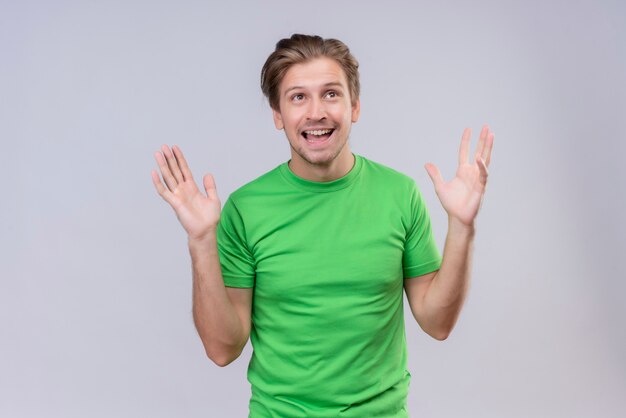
x=465, y=146
x=481, y=141
x=184, y=167
x=488, y=147
x=170, y=181
x=173, y=164
x=210, y=187
x=483, y=172
x=161, y=189
x=434, y=174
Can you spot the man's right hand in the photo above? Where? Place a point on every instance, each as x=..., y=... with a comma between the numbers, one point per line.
x=199, y=214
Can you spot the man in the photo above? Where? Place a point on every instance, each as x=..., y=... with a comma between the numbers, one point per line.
x=309, y=260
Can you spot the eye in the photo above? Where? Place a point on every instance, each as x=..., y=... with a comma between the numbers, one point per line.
x=297, y=97
x=331, y=94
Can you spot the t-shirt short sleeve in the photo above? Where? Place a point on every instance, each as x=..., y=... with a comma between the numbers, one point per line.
x=421, y=255
x=236, y=260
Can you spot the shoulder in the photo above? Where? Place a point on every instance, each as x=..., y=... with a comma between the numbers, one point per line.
x=263, y=185
x=380, y=173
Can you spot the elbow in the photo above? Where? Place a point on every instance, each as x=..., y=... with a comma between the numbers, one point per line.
x=221, y=360
x=440, y=334
x=441, y=329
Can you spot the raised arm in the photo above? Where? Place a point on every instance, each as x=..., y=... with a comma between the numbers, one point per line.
x=436, y=298
x=221, y=315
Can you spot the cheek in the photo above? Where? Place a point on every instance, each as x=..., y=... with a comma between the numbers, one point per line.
x=343, y=110
x=292, y=119
x=344, y=115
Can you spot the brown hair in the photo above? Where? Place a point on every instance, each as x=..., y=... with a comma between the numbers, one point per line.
x=300, y=49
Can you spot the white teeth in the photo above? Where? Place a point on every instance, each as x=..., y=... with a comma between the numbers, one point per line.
x=318, y=132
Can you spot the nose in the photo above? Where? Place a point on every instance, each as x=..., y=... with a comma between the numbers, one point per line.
x=316, y=110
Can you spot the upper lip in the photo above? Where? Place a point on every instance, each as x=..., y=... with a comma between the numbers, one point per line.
x=317, y=128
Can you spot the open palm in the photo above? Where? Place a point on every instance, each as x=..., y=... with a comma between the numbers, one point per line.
x=198, y=214
x=461, y=197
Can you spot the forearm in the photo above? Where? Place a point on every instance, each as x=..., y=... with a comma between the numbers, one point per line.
x=447, y=292
x=215, y=317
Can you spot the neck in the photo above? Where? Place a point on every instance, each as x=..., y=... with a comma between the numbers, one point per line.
x=337, y=168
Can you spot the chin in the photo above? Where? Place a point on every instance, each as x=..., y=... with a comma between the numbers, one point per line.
x=318, y=159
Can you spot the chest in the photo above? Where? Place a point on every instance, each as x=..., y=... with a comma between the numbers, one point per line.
x=330, y=248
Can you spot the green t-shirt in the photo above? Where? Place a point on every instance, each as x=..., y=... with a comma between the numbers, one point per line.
x=327, y=263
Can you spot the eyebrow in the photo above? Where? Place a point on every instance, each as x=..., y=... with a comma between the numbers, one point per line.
x=331, y=84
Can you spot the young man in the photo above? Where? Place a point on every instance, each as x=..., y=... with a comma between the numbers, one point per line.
x=310, y=259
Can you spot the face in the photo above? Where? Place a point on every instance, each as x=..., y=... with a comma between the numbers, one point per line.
x=316, y=113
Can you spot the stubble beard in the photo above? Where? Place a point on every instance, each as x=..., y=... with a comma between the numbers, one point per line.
x=321, y=162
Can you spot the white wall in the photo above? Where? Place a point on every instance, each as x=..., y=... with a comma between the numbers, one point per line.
x=95, y=294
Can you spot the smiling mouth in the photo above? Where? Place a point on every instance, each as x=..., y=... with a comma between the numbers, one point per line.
x=318, y=135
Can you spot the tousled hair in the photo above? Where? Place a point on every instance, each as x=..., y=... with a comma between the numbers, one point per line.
x=300, y=49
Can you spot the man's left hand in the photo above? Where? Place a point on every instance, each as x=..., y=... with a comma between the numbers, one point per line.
x=461, y=197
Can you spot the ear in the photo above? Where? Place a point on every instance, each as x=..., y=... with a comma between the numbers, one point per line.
x=278, y=119
x=356, y=110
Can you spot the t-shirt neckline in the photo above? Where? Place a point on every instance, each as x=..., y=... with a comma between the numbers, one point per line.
x=322, y=187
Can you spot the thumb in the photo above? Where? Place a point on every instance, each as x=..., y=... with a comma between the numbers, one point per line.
x=434, y=174
x=209, y=186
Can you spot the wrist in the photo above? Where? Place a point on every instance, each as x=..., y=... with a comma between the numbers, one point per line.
x=457, y=227
x=206, y=238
